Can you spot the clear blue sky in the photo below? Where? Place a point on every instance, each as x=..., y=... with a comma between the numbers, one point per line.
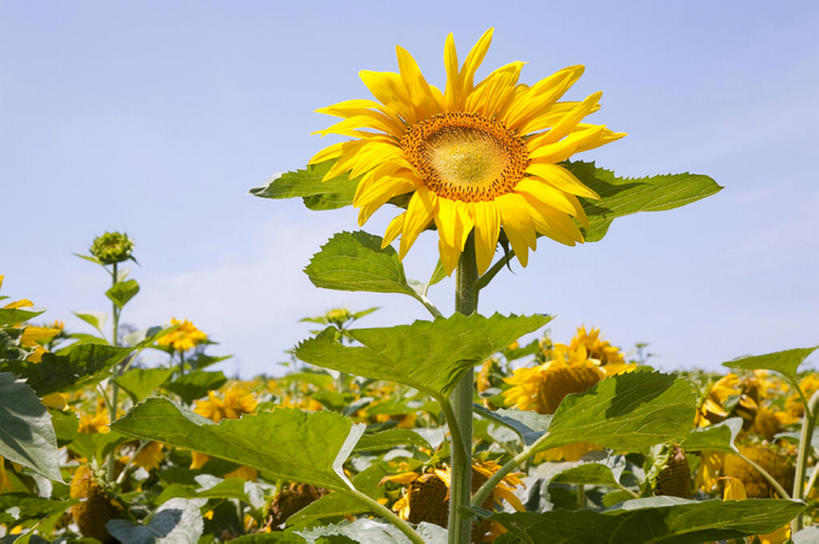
x=157, y=117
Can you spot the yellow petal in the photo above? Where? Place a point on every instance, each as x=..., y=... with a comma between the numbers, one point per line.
x=420, y=94
x=516, y=216
x=454, y=87
x=473, y=61
x=389, y=89
x=393, y=230
x=22, y=303
x=420, y=211
x=560, y=177
x=545, y=193
x=734, y=490
x=540, y=98
x=570, y=121
x=487, y=228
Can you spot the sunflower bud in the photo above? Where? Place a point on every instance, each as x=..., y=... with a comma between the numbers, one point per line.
x=112, y=247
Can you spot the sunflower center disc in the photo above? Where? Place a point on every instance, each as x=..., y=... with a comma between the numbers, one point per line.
x=464, y=156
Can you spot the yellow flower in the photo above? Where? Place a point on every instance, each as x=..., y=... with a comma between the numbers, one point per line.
x=185, y=337
x=541, y=388
x=600, y=350
x=237, y=400
x=150, y=456
x=708, y=471
x=94, y=423
x=479, y=156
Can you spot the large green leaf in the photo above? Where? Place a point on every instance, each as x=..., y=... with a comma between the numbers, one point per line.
x=122, y=292
x=391, y=438
x=70, y=369
x=627, y=412
x=289, y=444
x=714, y=437
x=196, y=384
x=13, y=316
x=317, y=195
x=141, y=382
x=650, y=522
x=785, y=362
x=354, y=261
x=587, y=473
x=178, y=521
x=427, y=355
x=26, y=434
x=528, y=425
x=624, y=196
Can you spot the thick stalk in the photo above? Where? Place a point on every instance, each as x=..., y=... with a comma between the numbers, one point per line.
x=466, y=302
x=805, y=448
x=181, y=363
x=112, y=408
x=386, y=513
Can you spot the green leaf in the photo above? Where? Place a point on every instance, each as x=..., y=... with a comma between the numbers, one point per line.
x=678, y=522
x=389, y=439
x=65, y=425
x=30, y=507
x=624, y=196
x=122, y=292
x=69, y=369
x=276, y=537
x=625, y=412
x=528, y=425
x=718, y=437
x=13, y=316
x=196, y=384
x=96, y=445
x=26, y=434
x=317, y=195
x=587, y=473
x=93, y=318
x=427, y=355
x=339, y=504
x=178, y=521
x=354, y=261
x=141, y=382
x=289, y=444
x=230, y=488
x=785, y=362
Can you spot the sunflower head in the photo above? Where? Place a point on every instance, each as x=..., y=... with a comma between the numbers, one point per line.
x=112, y=247
x=186, y=336
x=476, y=157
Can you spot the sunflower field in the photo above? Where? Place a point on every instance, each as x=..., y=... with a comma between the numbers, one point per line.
x=469, y=428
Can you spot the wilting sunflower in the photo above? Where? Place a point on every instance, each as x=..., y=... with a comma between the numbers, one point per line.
x=482, y=157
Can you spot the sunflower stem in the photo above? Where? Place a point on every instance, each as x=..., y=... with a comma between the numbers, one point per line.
x=386, y=513
x=112, y=408
x=466, y=302
x=484, y=280
x=805, y=448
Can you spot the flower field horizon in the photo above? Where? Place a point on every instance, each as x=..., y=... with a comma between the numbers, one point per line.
x=478, y=410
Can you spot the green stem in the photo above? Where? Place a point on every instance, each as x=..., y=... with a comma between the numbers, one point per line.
x=805, y=449
x=386, y=513
x=112, y=408
x=181, y=363
x=487, y=487
x=765, y=474
x=451, y=421
x=466, y=302
x=495, y=268
x=811, y=480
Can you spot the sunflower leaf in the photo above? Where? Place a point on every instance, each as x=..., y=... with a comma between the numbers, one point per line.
x=355, y=261
x=11, y=316
x=141, y=382
x=306, y=183
x=624, y=196
x=122, y=292
x=651, y=522
x=625, y=412
x=427, y=355
x=718, y=437
x=286, y=443
x=26, y=434
x=196, y=384
x=69, y=369
x=785, y=362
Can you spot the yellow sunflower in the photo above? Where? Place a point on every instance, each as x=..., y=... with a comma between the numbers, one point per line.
x=186, y=336
x=475, y=156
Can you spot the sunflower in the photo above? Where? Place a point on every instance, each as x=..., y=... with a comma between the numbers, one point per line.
x=186, y=336
x=475, y=156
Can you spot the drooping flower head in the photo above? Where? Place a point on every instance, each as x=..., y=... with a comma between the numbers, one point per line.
x=476, y=156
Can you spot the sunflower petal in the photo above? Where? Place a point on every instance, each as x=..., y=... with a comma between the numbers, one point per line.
x=561, y=178
x=420, y=211
x=487, y=229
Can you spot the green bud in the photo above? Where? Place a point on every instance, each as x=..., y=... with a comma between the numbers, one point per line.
x=112, y=247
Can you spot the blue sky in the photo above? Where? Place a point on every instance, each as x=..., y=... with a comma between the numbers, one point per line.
x=157, y=117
